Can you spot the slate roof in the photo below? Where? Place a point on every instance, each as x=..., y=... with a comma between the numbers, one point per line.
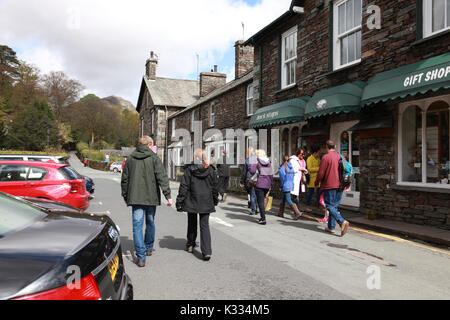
x=227, y=87
x=170, y=92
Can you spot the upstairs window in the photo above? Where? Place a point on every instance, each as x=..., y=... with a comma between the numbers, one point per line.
x=211, y=115
x=192, y=120
x=288, y=57
x=436, y=16
x=173, y=128
x=347, y=32
x=250, y=102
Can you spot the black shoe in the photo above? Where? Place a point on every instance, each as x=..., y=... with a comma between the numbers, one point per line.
x=263, y=222
x=190, y=249
x=148, y=253
x=141, y=263
x=206, y=257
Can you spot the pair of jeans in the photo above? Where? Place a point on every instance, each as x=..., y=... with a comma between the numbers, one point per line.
x=310, y=194
x=332, y=200
x=253, y=200
x=260, y=196
x=205, y=233
x=287, y=198
x=143, y=214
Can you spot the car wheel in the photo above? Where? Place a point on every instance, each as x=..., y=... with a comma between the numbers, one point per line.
x=115, y=170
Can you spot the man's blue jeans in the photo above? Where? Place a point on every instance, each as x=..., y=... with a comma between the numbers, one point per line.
x=141, y=244
x=332, y=200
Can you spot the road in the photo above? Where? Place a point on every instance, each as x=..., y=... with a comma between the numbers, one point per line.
x=283, y=260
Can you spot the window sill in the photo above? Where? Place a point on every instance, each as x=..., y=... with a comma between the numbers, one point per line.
x=424, y=188
x=432, y=37
x=286, y=88
x=343, y=68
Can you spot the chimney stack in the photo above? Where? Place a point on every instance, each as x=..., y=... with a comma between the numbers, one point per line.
x=210, y=81
x=244, y=58
x=150, y=66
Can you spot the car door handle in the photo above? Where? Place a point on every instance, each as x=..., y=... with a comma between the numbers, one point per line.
x=29, y=185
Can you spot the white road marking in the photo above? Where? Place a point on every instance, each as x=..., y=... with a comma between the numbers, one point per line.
x=220, y=221
x=100, y=203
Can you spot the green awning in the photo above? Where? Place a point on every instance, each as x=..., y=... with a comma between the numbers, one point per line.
x=420, y=77
x=288, y=111
x=340, y=99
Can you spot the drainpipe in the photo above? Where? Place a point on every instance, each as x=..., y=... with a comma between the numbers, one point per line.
x=166, y=163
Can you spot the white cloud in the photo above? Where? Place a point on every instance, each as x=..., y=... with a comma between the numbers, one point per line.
x=105, y=43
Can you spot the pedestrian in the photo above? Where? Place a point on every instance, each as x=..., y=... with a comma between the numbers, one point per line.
x=142, y=178
x=313, y=164
x=328, y=179
x=85, y=162
x=198, y=196
x=264, y=173
x=299, y=164
x=223, y=170
x=123, y=162
x=286, y=186
x=245, y=177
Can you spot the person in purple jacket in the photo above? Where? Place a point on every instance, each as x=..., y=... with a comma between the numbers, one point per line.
x=264, y=182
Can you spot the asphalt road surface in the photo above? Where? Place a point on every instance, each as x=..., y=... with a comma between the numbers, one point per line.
x=283, y=260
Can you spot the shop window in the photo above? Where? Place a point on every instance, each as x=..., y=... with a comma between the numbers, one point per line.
x=347, y=32
x=294, y=140
x=425, y=144
x=349, y=148
x=436, y=15
x=285, y=143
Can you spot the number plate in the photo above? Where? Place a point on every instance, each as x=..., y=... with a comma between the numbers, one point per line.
x=113, y=266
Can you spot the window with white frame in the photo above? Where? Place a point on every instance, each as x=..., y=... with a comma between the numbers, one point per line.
x=153, y=122
x=424, y=144
x=250, y=102
x=211, y=115
x=347, y=32
x=288, y=57
x=192, y=120
x=436, y=15
x=173, y=128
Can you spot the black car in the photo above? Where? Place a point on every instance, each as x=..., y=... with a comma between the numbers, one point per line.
x=50, y=254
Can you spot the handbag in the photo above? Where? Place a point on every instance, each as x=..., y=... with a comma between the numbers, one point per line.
x=253, y=179
x=268, y=202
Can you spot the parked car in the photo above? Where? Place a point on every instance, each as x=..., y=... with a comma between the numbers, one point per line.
x=53, y=181
x=56, y=255
x=116, y=167
x=90, y=186
x=34, y=157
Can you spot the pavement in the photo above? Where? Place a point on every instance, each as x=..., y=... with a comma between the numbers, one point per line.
x=432, y=235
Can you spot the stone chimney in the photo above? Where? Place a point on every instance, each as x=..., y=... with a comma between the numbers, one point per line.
x=210, y=81
x=150, y=66
x=244, y=58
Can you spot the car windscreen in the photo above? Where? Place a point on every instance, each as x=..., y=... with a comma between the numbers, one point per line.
x=69, y=173
x=16, y=214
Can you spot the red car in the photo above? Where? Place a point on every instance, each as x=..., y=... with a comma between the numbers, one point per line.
x=53, y=181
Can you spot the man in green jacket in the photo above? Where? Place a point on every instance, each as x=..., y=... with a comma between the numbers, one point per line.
x=142, y=177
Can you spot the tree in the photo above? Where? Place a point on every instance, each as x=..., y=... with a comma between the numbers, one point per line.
x=8, y=65
x=61, y=91
x=94, y=119
x=31, y=128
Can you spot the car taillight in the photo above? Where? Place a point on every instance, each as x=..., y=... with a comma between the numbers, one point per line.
x=74, y=187
x=88, y=290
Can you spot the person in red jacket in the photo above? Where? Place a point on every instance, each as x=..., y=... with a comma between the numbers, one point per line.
x=328, y=179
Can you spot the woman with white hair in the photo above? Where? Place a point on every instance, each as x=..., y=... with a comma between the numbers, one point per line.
x=198, y=196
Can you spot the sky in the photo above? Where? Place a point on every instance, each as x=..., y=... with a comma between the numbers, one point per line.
x=104, y=44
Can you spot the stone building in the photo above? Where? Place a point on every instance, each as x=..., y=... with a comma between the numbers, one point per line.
x=374, y=77
x=158, y=99
x=221, y=106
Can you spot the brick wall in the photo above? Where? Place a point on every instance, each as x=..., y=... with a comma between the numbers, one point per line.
x=394, y=45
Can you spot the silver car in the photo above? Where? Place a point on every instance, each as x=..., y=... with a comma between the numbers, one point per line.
x=116, y=167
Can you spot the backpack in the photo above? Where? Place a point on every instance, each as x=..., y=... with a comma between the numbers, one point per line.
x=345, y=172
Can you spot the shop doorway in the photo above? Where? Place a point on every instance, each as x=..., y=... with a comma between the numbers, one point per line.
x=348, y=144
